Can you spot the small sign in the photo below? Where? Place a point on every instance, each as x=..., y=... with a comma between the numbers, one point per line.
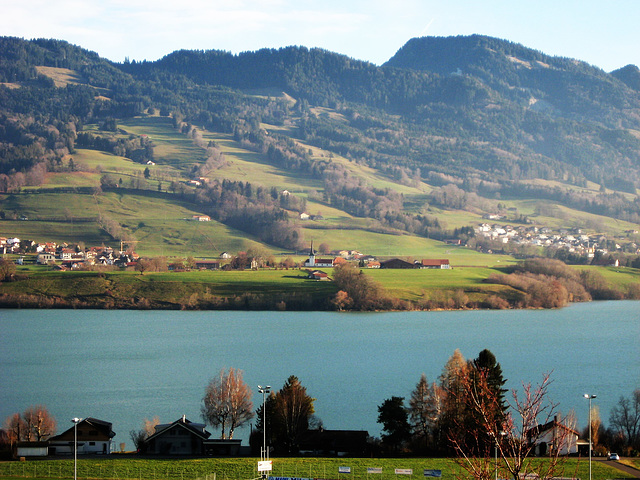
x=404, y=471
x=344, y=469
x=374, y=470
x=265, y=466
x=433, y=473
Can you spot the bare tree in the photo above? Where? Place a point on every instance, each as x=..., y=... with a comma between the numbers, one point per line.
x=227, y=402
x=625, y=418
x=516, y=436
x=15, y=427
x=423, y=409
x=138, y=437
x=39, y=423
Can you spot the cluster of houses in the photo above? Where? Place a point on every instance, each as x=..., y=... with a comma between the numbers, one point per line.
x=367, y=261
x=574, y=241
x=67, y=257
x=186, y=438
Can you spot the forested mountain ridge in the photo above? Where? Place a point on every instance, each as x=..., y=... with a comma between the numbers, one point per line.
x=465, y=121
x=491, y=99
x=569, y=88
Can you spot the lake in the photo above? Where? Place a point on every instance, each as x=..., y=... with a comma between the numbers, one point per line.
x=125, y=366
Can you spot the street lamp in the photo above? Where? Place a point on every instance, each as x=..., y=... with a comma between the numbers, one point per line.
x=590, y=397
x=264, y=391
x=75, y=421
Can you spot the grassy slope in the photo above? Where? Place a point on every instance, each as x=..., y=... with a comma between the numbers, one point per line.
x=158, y=222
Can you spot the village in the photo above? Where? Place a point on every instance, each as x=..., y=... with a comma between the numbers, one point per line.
x=573, y=241
x=75, y=257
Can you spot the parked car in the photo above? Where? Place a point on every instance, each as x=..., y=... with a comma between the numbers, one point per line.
x=614, y=456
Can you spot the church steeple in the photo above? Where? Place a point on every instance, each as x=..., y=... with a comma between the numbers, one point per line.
x=312, y=257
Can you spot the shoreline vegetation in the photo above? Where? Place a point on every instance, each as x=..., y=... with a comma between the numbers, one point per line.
x=535, y=283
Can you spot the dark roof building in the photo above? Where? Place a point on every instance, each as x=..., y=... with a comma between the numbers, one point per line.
x=396, y=263
x=334, y=442
x=181, y=437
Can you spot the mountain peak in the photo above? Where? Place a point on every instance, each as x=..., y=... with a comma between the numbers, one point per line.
x=630, y=75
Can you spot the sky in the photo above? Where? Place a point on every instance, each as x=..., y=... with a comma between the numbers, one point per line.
x=604, y=34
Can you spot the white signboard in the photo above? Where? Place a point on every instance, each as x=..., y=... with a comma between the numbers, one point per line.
x=374, y=470
x=265, y=466
x=344, y=469
x=404, y=471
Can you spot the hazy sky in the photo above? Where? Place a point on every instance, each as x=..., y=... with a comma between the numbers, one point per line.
x=604, y=34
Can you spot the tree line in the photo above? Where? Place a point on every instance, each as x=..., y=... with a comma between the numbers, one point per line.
x=466, y=413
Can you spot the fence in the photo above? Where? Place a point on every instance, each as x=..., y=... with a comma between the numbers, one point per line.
x=107, y=471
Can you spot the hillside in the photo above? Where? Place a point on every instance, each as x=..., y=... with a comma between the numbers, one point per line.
x=389, y=160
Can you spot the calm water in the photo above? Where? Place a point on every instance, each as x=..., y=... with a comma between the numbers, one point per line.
x=124, y=366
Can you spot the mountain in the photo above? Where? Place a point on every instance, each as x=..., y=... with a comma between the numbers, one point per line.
x=630, y=75
x=446, y=125
x=557, y=86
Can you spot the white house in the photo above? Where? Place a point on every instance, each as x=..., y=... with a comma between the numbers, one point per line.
x=44, y=258
x=93, y=436
x=554, y=436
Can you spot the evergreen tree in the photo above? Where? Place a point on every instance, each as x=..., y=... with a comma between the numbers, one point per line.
x=394, y=418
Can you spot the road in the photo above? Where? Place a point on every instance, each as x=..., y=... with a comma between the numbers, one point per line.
x=621, y=466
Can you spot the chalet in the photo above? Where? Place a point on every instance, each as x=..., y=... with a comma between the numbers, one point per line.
x=434, y=263
x=396, y=263
x=181, y=437
x=93, y=436
x=304, y=216
x=225, y=255
x=318, y=275
x=207, y=264
x=372, y=264
x=201, y=218
x=337, y=443
x=553, y=436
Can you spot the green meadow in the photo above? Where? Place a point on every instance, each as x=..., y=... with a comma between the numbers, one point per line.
x=130, y=467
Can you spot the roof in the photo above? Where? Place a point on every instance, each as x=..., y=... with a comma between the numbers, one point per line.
x=196, y=429
x=434, y=262
x=396, y=263
x=100, y=425
x=539, y=430
x=354, y=441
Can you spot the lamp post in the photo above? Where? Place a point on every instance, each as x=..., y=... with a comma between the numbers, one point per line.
x=75, y=421
x=590, y=397
x=264, y=391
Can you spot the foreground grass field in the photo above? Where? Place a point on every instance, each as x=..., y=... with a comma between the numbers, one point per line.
x=116, y=467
